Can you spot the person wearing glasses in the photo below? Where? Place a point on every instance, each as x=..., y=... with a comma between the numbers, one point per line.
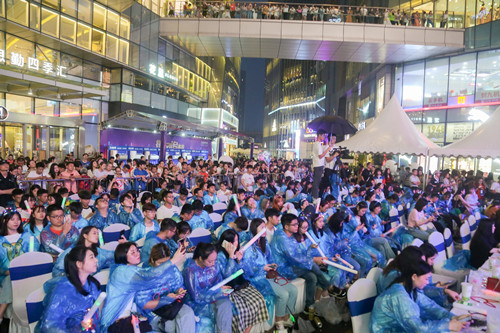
x=60, y=232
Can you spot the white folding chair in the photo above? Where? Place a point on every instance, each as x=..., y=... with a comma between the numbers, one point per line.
x=437, y=239
x=200, y=235
x=465, y=235
x=28, y=272
x=401, y=214
x=374, y=274
x=34, y=307
x=361, y=297
x=103, y=278
x=217, y=219
x=473, y=224
x=448, y=242
x=219, y=207
x=113, y=232
x=417, y=242
x=394, y=217
x=140, y=242
x=300, y=303
x=477, y=215
x=111, y=246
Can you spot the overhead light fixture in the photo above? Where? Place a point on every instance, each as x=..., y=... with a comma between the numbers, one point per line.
x=30, y=91
x=135, y=129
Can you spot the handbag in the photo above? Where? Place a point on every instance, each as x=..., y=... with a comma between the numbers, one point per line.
x=169, y=311
x=272, y=274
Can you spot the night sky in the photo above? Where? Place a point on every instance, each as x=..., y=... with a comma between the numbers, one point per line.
x=253, y=107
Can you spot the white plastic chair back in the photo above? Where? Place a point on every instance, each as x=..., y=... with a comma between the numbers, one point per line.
x=466, y=236
x=219, y=207
x=473, y=224
x=448, y=241
x=361, y=297
x=112, y=232
x=477, y=215
x=374, y=274
x=28, y=272
x=401, y=213
x=111, y=246
x=200, y=235
x=217, y=219
x=140, y=242
x=34, y=307
x=394, y=217
x=103, y=278
x=437, y=239
x=417, y=242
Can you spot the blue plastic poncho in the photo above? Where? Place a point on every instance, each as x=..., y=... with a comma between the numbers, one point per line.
x=243, y=236
x=81, y=223
x=230, y=217
x=210, y=200
x=105, y=259
x=198, y=283
x=173, y=282
x=100, y=222
x=62, y=241
x=66, y=308
x=10, y=251
x=256, y=214
x=139, y=230
x=124, y=282
x=151, y=240
x=395, y=311
x=287, y=255
x=132, y=218
x=201, y=221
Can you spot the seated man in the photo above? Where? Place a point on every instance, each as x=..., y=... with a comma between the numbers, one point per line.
x=200, y=218
x=60, y=232
x=211, y=197
x=167, y=231
x=292, y=264
x=129, y=214
x=149, y=224
x=103, y=216
x=168, y=209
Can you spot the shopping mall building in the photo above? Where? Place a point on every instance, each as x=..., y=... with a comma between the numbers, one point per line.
x=74, y=71
x=446, y=96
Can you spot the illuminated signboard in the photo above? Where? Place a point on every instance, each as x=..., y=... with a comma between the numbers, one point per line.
x=160, y=72
x=33, y=64
x=461, y=100
x=310, y=133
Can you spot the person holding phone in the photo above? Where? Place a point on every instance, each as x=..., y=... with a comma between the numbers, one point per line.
x=60, y=232
x=260, y=270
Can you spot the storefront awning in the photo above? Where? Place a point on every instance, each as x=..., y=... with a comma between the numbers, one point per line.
x=142, y=121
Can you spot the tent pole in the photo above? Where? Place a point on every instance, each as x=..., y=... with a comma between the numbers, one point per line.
x=426, y=174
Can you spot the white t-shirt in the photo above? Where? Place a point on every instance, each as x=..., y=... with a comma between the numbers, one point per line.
x=98, y=173
x=166, y=213
x=290, y=174
x=246, y=180
x=495, y=187
x=414, y=180
x=317, y=150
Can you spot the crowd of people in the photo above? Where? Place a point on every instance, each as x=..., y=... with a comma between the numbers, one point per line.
x=313, y=12
x=327, y=211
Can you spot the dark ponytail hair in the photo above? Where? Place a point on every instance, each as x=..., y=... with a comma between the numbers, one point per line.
x=78, y=253
x=254, y=227
x=410, y=268
x=85, y=231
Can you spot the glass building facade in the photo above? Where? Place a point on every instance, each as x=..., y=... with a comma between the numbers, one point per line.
x=74, y=63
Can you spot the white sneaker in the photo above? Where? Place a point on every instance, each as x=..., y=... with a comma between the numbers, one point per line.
x=280, y=325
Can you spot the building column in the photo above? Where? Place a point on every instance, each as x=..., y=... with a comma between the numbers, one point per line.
x=251, y=149
x=162, y=145
x=221, y=147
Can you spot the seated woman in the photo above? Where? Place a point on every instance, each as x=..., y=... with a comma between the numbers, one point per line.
x=260, y=269
x=163, y=305
x=420, y=226
x=231, y=212
x=374, y=236
x=14, y=241
x=483, y=244
x=402, y=309
x=200, y=274
x=249, y=303
x=125, y=281
x=353, y=231
x=37, y=221
x=89, y=237
x=73, y=295
x=250, y=210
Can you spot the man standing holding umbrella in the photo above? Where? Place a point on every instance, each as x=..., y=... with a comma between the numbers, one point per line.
x=318, y=161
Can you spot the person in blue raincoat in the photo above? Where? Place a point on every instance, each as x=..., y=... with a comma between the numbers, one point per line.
x=404, y=308
x=165, y=235
x=211, y=197
x=231, y=212
x=128, y=213
x=148, y=301
x=393, y=270
x=438, y=291
x=103, y=216
x=89, y=237
x=335, y=244
x=248, y=302
x=72, y=297
x=240, y=225
x=200, y=218
x=37, y=221
x=147, y=225
x=374, y=237
x=213, y=307
x=60, y=232
x=125, y=281
x=364, y=254
x=250, y=210
x=14, y=241
x=290, y=262
x=257, y=262
x=75, y=211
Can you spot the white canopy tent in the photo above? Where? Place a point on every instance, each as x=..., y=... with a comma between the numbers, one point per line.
x=483, y=142
x=391, y=132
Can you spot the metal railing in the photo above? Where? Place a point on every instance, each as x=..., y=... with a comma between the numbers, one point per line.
x=316, y=12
